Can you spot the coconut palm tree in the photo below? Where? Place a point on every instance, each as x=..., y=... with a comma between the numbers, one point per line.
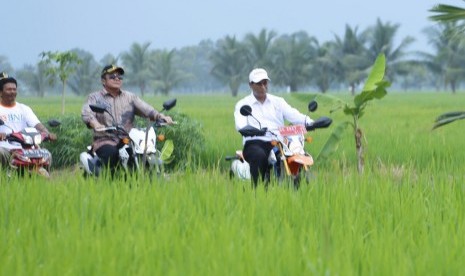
x=34, y=77
x=292, y=56
x=137, y=64
x=323, y=68
x=87, y=74
x=230, y=63
x=380, y=39
x=166, y=75
x=259, y=48
x=352, y=57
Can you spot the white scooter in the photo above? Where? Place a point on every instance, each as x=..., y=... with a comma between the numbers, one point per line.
x=137, y=148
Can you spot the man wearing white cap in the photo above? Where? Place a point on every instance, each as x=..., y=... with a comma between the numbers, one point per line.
x=268, y=111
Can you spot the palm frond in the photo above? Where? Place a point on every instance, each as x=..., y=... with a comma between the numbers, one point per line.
x=449, y=115
x=448, y=118
x=447, y=13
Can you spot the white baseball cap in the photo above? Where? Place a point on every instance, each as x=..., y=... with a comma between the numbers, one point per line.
x=258, y=74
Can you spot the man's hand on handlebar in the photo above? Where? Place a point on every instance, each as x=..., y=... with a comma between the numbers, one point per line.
x=164, y=118
x=2, y=136
x=52, y=136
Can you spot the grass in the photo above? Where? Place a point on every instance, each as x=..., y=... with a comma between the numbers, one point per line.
x=403, y=216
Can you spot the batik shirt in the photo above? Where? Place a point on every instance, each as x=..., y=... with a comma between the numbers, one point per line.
x=123, y=107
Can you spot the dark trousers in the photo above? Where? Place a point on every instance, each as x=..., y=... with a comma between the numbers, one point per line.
x=109, y=156
x=256, y=153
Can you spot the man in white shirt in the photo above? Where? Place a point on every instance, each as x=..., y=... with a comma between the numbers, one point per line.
x=268, y=111
x=15, y=115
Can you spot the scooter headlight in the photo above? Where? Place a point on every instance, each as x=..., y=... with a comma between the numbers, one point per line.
x=28, y=140
x=296, y=147
x=37, y=139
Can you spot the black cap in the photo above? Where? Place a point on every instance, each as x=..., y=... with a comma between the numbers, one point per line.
x=4, y=78
x=112, y=68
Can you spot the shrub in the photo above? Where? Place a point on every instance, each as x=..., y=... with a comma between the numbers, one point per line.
x=188, y=140
x=74, y=137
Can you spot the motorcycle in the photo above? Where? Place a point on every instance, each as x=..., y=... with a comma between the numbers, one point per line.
x=137, y=148
x=288, y=157
x=26, y=153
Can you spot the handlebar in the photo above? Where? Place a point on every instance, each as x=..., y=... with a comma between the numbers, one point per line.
x=249, y=131
x=322, y=122
x=162, y=123
x=229, y=158
x=102, y=129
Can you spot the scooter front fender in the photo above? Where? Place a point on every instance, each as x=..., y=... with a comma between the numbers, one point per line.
x=305, y=160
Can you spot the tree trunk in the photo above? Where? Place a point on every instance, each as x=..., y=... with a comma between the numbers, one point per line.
x=359, y=149
x=63, y=98
x=352, y=89
x=293, y=87
x=234, y=86
x=142, y=89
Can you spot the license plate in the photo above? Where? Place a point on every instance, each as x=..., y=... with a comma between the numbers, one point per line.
x=36, y=153
x=292, y=130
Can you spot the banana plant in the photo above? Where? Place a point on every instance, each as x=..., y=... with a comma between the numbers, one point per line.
x=374, y=88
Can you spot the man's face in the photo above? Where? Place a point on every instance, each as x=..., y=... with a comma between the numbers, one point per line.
x=113, y=81
x=260, y=87
x=8, y=94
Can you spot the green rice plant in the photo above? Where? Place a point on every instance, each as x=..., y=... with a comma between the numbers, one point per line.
x=201, y=223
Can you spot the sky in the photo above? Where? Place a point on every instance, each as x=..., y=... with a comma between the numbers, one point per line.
x=30, y=27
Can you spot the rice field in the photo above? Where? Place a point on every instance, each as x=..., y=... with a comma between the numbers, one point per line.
x=403, y=216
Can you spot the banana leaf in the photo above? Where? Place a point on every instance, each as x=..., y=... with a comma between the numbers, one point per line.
x=375, y=86
x=167, y=151
x=447, y=119
x=333, y=141
x=449, y=115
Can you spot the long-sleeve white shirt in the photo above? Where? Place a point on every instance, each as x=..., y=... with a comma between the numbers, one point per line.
x=272, y=114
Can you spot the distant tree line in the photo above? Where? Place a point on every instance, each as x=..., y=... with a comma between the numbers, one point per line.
x=296, y=62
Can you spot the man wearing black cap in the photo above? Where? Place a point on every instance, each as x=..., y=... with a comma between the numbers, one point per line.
x=123, y=105
x=15, y=115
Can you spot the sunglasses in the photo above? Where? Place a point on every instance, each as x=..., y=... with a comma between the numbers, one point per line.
x=115, y=76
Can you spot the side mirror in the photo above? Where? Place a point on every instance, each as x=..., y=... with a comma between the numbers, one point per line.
x=312, y=106
x=53, y=123
x=98, y=108
x=169, y=104
x=246, y=110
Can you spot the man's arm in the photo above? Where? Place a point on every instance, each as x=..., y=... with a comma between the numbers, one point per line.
x=144, y=109
x=88, y=117
x=293, y=115
x=40, y=127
